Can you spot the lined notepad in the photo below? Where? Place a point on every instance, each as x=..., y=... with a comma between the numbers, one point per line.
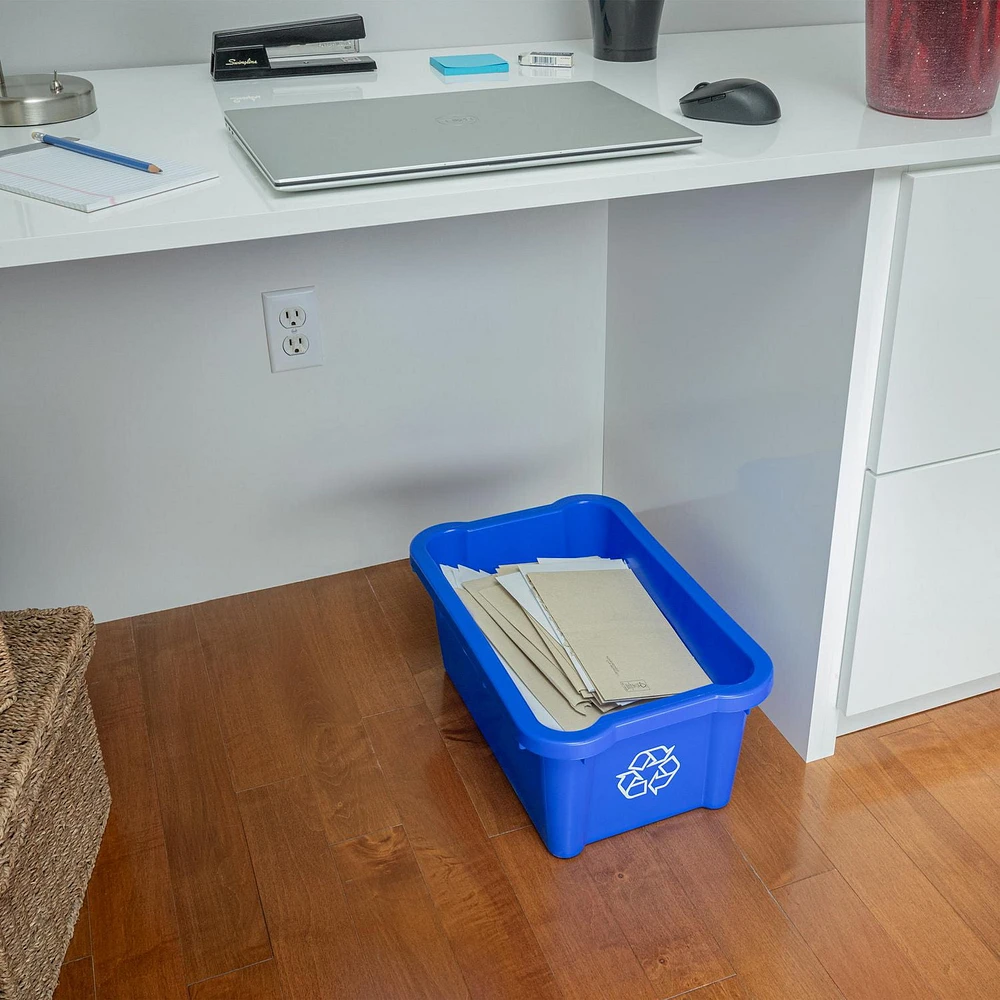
x=85, y=183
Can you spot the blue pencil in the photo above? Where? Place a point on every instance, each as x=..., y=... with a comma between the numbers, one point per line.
x=100, y=154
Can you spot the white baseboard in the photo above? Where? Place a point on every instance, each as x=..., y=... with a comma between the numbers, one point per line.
x=865, y=720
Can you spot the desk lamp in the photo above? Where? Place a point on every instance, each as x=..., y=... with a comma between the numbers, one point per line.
x=38, y=99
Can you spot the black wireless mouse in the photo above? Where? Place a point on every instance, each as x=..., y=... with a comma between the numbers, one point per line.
x=737, y=102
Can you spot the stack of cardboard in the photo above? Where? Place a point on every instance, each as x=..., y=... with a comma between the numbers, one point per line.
x=579, y=637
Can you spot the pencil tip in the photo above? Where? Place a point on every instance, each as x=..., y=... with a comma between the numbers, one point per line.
x=153, y=169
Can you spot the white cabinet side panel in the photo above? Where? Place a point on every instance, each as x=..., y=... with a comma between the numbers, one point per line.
x=850, y=519
x=731, y=324
x=928, y=614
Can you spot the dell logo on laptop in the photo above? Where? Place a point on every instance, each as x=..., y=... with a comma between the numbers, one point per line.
x=457, y=119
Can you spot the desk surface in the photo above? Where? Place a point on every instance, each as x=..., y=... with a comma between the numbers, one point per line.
x=176, y=111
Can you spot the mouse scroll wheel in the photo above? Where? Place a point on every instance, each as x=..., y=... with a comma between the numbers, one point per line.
x=700, y=85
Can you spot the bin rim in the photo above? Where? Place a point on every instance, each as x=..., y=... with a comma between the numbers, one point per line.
x=624, y=723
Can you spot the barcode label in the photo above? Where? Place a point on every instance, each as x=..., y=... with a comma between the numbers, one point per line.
x=553, y=59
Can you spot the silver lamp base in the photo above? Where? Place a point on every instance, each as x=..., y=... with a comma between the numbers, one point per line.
x=39, y=99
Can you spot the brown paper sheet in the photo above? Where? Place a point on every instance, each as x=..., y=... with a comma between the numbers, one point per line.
x=532, y=678
x=619, y=635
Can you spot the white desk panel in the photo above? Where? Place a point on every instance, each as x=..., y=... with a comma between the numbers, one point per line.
x=729, y=359
x=926, y=618
x=942, y=351
x=818, y=74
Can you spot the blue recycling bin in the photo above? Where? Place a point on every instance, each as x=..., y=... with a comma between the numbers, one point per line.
x=638, y=764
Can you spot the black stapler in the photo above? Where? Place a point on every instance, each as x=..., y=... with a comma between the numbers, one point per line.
x=298, y=48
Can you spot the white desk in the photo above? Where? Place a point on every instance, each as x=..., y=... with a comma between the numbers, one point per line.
x=743, y=326
x=818, y=73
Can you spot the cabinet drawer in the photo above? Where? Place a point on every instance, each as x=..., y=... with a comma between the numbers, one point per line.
x=928, y=618
x=940, y=371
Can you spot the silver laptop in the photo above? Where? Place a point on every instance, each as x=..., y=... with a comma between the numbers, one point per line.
x=433, y=135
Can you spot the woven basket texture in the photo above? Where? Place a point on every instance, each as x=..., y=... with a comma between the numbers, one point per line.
x=8, y=685
x=54, y=797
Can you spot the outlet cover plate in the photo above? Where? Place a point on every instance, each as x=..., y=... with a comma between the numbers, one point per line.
x=275, y=303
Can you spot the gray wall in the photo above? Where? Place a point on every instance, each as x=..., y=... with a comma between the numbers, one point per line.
x=38, y=35
x=158, y=462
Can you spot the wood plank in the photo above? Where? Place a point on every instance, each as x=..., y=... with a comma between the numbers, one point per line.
x=727, y=989
x=287, y=711
x=76, y=981
x=79, y=945
x=949, y=857
x=938, y=943
x=861, y=958
x=276, y=691
x=955, y=780
x=313, y=938
x=116, y=695
x=258, y=982
x=344, y=628
x=899, y=725
x=491, y=939
x=279, y=666
x=975, y=723
x=762, y=817
x=768, y=954
x=219, y=915
x=405, y=945
x=361, y=645
x=348, y=784
x=410, y=613
x=112, y=678
x=134, y=823
x=175, y=687
x=496, y=803
x=136, y=943
x=440, y=696
x=668, y=936
x=261, y=672
x=583, y=944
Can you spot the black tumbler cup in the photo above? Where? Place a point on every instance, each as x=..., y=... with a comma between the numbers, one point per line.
x=625, y=30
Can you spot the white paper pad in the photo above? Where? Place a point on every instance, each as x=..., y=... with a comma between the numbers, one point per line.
x=87, y=184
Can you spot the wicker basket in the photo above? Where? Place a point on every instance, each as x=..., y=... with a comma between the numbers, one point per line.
x=54, y=797
x=8, y=686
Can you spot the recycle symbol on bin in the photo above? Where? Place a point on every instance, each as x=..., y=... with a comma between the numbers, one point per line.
x=650, y=771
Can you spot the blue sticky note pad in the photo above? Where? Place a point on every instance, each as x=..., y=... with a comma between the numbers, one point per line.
x=482, y=62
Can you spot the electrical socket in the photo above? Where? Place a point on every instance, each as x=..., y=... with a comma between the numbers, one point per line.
x=292, y=317
x=297, y=343
x=292, y=324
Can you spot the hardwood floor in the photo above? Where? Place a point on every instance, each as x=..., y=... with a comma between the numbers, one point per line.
x=303, y=809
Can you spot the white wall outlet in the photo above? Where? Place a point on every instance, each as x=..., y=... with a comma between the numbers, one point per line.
x=296, y=344
x=292, y=323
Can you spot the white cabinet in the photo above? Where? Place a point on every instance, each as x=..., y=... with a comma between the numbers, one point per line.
x=924, y=621
x=941, y=351
x=928, y=601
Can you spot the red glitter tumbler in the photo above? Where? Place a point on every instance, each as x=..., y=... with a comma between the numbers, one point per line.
x=933, y=58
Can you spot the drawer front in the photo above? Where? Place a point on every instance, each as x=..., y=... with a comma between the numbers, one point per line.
x=928, y=618
x=940, y=382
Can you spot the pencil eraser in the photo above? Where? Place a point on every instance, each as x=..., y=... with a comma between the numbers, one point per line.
x=481, y=62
